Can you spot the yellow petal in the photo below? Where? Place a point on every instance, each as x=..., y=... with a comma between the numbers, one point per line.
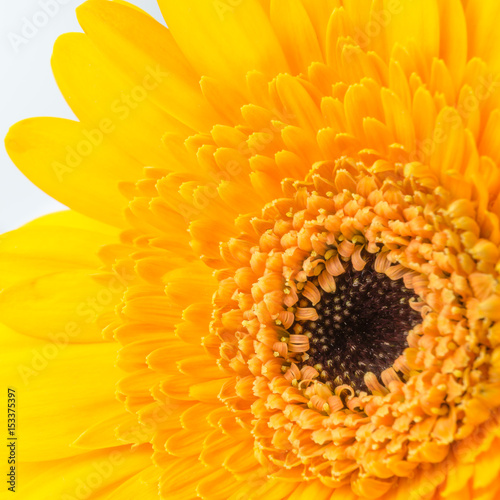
x=453, y=39
x=181, y=477
x=138, y=45
x=484, y=36
x=104, y=98
x=263, y=488
x=62, y=390
x=296, y=34
x=222, y=40
x=103, y=434
x=457, y=479
x=69, y=218
x=487, y=467
x=408, y=20
x=41, y=248
x=449, y=145
x=186, y=443
x=299, y=103
x=219, y=485
x=93, y=475
x=315, y=489
x=398, y=120
x=142, y=485
x=73, y=164
x=65, y=305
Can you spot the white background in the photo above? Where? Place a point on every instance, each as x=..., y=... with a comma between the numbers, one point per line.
x=27, y=88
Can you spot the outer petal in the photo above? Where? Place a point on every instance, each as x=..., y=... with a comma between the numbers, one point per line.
x=74, y=164
x=46, y=246
x=98, y=92
x=69, y=302
x=224, y=41
x=142, y=485
x=68, y=218
x=95, y=475
x=134, y=42
x=62, y=389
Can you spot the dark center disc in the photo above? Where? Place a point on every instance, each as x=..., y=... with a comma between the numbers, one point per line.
x=362, y=327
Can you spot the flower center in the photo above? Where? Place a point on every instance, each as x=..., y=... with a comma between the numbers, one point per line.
x=362, y=327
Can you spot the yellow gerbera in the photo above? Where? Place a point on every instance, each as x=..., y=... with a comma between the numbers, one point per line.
x=280, y=275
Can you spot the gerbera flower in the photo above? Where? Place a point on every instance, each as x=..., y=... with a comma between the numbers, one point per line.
x=279, y=276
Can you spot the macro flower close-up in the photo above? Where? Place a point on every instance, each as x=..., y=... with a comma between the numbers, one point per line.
x=278, y=277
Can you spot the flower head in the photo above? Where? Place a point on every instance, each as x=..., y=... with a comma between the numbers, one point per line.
x=302, y=276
